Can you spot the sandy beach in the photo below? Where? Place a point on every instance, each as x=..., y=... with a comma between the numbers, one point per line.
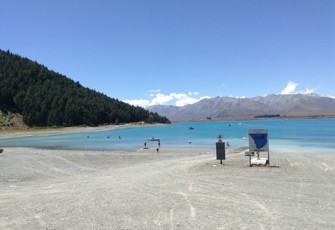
x=65, y=130
x=172, y=189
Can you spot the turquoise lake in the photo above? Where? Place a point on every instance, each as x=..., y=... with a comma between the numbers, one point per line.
x=306, y=135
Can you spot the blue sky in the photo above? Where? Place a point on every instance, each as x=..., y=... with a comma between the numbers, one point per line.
x=178, y=51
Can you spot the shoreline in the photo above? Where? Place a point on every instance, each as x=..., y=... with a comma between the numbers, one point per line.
x=66, y=130
x=77, y=129
x=174, y=189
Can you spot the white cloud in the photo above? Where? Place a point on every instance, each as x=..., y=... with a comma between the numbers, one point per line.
x=183, y=99
x=161, y=99
x=290, y=88
x=154, y=90
x=193, y=93
x=309, y=91
x=178, y=99
x=142, y=103
x=237, y=97
x=204, y=97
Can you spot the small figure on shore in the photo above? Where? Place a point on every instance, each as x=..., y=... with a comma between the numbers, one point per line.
x=228, y=144
x=157, y=150
x=145, y=145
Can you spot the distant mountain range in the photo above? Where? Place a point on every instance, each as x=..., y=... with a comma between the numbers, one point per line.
x=219, y=108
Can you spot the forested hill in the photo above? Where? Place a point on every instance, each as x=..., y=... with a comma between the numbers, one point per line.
x=47, y=98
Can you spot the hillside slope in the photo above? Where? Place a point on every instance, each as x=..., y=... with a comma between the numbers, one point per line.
x=46, y=98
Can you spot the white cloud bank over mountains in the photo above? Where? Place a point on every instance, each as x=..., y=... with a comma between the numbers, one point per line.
x=181, y=99
x=292, y=86
x=158, y=98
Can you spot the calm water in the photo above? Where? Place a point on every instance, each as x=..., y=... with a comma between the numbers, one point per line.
x=285, y=135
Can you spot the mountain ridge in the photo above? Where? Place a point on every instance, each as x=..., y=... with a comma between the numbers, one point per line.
x=289, y=105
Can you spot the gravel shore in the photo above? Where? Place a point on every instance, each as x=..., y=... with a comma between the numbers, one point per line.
x=173, y=189
x=64, y=130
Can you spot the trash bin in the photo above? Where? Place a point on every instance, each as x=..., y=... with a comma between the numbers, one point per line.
x=220, y=151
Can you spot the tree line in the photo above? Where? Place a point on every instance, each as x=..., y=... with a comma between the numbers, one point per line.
x=47, y=98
